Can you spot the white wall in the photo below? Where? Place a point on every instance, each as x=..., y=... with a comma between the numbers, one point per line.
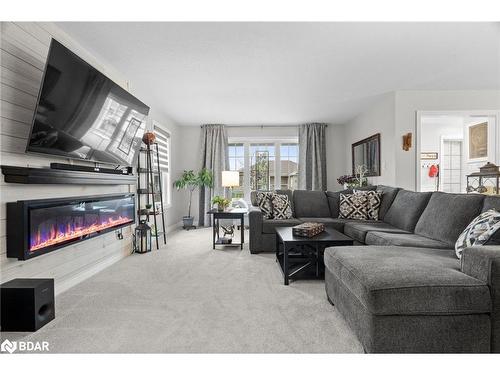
x=24, y=48
x=395, y=115
x=409, y=102
x=335, y=155
x=379, y=118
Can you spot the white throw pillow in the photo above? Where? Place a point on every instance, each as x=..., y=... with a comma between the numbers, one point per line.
x=479, y=231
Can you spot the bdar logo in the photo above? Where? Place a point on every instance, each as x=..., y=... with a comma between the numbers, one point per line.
x=8, y=346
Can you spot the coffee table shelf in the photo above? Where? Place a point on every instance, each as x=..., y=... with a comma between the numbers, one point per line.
x=296, y=255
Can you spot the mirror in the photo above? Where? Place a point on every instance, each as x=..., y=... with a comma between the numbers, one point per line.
x=367, y=152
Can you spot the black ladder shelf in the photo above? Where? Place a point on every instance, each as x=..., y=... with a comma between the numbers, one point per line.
x=150, y=191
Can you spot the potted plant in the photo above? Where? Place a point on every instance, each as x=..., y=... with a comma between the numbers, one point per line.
x=221, y=202
x=190, y=180
x=347, y=181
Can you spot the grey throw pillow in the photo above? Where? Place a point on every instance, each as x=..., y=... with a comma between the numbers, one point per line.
x=264, y=202
x=282, y=208
x=479, y=231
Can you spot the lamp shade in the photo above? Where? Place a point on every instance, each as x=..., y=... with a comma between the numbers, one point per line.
x=230, y=178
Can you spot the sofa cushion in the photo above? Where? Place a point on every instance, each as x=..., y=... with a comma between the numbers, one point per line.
x=402, y=239
x=282, y=208
x=406, y=209
x=492, y=202
x=358, y=231
x=264, y=202
x=479, y=231
x=447, y=215
x=409, y=281
x=268, y=226
x=334, y=198
x=373, y=199
x=288, y=193
x=388, y=195
x=310, y=203
x=334, y=202
x=353, y=206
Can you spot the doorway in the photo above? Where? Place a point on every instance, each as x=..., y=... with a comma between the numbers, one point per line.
x=451, y=145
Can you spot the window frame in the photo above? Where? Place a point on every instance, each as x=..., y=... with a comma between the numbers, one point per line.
x=247, y=141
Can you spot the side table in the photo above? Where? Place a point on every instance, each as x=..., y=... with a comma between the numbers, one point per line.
x=224, y=215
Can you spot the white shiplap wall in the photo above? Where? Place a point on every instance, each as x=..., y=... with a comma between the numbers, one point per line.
x=24, y=48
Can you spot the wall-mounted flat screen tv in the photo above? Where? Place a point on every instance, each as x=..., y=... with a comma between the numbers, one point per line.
x=82, y=114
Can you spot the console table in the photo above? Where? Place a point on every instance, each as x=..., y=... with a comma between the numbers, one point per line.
x=236, y=213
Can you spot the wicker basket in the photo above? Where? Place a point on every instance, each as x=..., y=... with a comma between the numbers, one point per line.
x=308, y=229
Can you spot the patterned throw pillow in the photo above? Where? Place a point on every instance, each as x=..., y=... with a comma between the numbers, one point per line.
x=265, y=204
x=282, y=209
x=374, y=199
x=353, y=206
x=479, y=231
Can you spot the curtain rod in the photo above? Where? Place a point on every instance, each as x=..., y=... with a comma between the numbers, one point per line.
x=259, y=126
x=262, y=126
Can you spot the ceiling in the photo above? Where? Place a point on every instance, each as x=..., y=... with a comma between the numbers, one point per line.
x=289, y=73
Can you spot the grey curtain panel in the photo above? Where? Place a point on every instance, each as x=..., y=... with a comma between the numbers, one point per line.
x=312, y=156
x=214, y=158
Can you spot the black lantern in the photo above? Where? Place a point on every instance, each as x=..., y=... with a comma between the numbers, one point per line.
x=142, y=238
x=486, y=181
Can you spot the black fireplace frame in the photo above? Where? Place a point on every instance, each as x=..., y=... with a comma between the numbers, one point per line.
x=18, y=225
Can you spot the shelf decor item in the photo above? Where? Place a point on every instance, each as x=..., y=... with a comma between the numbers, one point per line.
x=149, y=138
x=486, y=181
x=142, y=238
x=221, y=203
x=308, y=229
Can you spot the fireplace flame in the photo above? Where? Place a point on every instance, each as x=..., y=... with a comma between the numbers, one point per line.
x=58, y=235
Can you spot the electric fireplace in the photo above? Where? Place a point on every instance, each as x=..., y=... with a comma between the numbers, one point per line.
x=36, y=227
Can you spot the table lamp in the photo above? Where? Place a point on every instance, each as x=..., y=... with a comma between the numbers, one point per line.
x=230, y=179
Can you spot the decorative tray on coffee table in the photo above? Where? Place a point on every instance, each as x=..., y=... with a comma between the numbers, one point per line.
x=308, y=229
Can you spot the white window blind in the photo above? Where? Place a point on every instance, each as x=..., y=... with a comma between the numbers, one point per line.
x=163, y=140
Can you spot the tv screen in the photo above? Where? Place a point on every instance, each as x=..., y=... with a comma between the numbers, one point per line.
x=82, y=114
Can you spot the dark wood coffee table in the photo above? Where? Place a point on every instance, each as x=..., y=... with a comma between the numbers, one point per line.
x=301, y=254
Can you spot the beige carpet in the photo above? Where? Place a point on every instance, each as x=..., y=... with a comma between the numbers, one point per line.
x=187, y=297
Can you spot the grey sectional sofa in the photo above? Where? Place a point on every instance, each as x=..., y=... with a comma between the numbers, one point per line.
x=401, y=287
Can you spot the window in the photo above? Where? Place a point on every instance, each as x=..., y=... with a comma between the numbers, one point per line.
x=236, y=152
x=264, y=165
x=289, y=160
x=163, y=140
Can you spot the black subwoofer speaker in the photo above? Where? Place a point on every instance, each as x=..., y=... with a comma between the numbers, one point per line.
x=26, y=304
